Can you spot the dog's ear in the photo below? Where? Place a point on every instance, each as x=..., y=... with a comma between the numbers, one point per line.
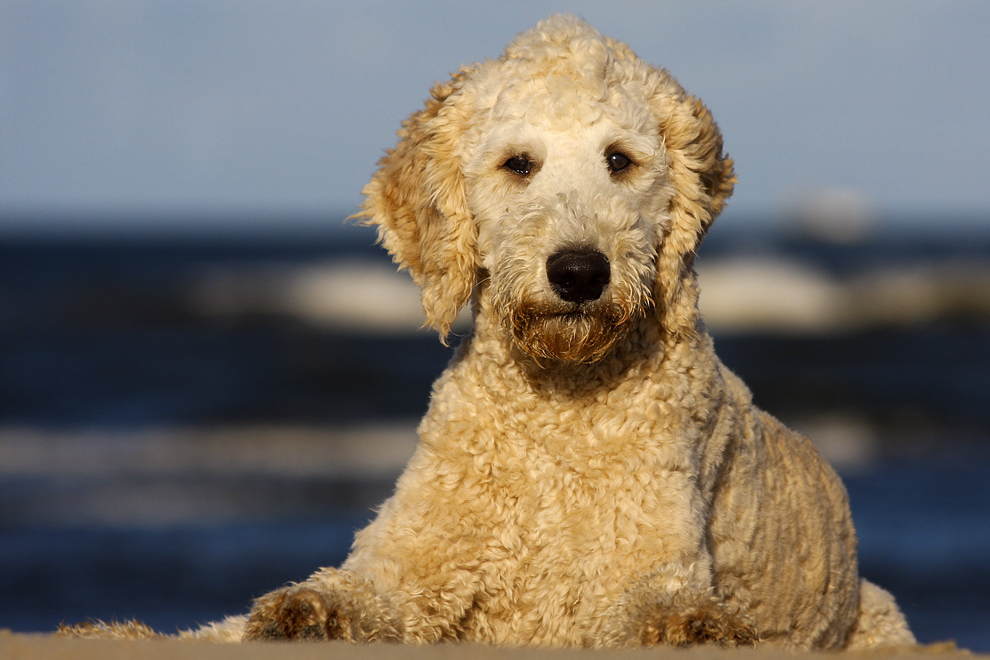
x=702, y=178
x=417, y=200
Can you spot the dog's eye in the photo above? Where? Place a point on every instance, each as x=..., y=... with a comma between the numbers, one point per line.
x=617, y=162
x=519, y=164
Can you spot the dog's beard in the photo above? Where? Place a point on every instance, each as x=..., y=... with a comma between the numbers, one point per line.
x=583, y=335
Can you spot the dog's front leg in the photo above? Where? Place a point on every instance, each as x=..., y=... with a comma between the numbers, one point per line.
x=331, y=604
x=677, y=607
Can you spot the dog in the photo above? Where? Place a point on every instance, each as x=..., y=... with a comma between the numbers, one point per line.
x=589, y=474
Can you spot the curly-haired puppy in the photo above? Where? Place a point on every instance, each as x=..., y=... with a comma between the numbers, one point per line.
x=588, y=473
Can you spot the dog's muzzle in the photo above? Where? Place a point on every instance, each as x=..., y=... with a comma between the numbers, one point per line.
x=582, y=322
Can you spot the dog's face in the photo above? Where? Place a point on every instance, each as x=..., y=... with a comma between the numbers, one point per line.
x=569, y=178
x=565, y=179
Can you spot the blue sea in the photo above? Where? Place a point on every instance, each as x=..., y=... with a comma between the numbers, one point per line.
x=101, y=339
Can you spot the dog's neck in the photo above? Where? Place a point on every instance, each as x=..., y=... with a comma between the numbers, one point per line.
x=553, y=405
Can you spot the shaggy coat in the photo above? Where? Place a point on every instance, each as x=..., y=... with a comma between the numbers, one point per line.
x=588, y=473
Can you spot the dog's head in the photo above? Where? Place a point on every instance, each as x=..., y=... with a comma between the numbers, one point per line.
x=568, y=180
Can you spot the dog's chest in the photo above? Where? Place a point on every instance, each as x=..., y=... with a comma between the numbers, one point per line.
x=567, y=500
x=568, y=529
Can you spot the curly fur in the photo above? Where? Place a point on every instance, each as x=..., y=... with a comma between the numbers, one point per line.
x=588, y=473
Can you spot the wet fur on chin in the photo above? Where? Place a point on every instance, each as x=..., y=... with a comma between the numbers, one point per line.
x=583, y=336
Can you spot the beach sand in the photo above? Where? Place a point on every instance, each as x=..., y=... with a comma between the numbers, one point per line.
x=38, y=647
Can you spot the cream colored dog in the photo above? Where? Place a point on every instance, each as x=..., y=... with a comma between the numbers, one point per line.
x=588, y=473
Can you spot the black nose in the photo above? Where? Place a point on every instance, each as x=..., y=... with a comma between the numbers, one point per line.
x=578, y=276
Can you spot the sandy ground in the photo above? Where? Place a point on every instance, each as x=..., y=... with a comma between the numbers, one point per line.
x=17, y=647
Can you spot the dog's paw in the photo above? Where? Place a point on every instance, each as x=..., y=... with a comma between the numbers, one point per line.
x=648, y=618
x=712, y=624
x=351, y=613
x=112, y=630
x=296, y=614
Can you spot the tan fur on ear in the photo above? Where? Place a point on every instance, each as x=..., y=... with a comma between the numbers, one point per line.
x=702, y=178
x=417, y=200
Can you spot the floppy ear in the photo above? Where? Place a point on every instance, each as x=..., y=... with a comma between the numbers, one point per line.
x=702, y=179
x=417, y=200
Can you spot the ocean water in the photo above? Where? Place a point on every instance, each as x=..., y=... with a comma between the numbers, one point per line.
x=104, y=341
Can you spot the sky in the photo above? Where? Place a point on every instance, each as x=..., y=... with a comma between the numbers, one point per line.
x=139, y=109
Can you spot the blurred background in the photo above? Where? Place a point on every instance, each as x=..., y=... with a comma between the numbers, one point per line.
x=208, y=378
